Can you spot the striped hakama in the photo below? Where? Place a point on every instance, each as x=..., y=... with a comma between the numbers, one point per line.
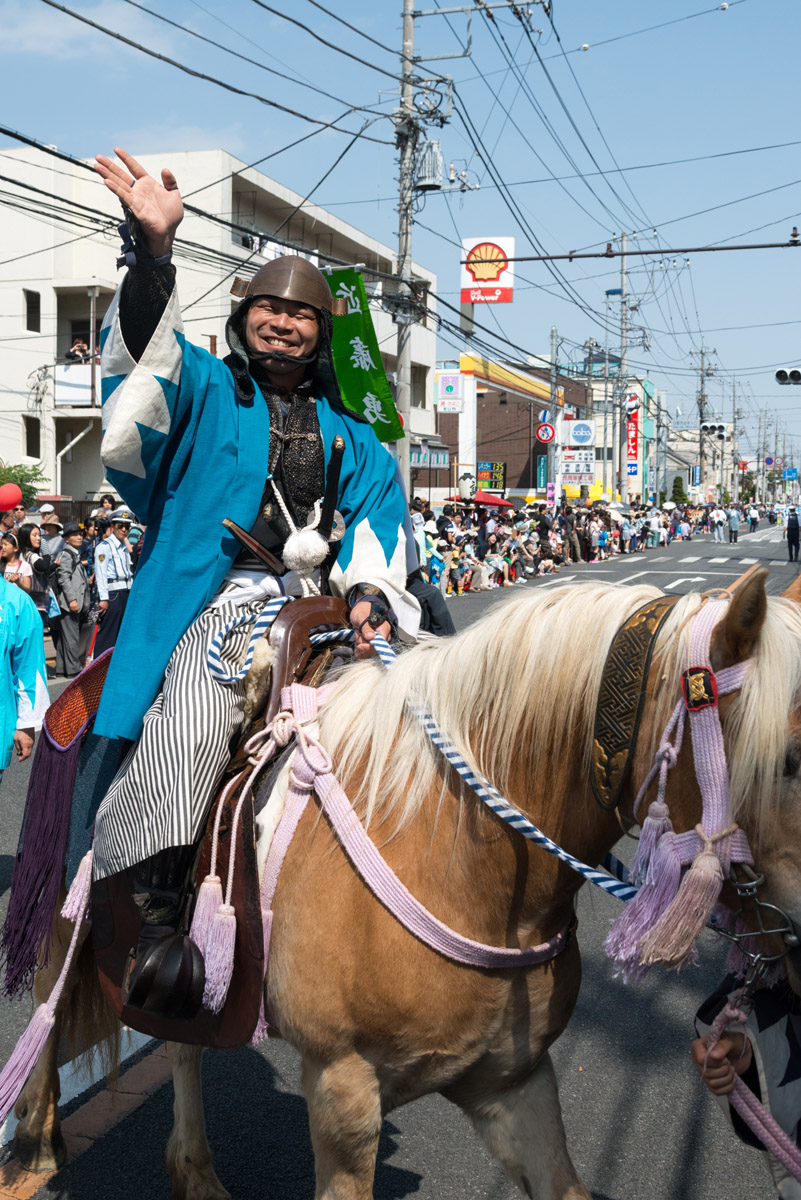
x=163, y=790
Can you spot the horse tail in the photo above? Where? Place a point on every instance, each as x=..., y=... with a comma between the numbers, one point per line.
x=91, y=1031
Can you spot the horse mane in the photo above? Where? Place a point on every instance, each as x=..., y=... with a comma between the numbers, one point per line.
x=509, y=692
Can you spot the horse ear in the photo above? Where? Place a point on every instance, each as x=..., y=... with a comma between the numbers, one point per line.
x=734, y=638
x=793, y=592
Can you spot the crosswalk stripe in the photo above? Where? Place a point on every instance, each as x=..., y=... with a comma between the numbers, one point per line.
x=691, y=558
x=717, y=560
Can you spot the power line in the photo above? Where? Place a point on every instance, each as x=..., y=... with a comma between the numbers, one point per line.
x=354, y=29
x=228, y=87
x=650, y=28
x=331, y=46
x=243, y=57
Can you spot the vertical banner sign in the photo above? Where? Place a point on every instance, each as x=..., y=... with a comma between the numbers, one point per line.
x=487, y=276
x=357, y=361
x=542, y=471
x=632, y=425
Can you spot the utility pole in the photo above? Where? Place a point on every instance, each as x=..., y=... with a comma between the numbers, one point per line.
x=558, y=425
x=758, y=474
x=623, y=377
x=735, y=446
x=406, y=132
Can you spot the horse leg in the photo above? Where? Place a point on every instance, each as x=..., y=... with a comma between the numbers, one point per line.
x=522, y=1127
x=38, y=1141
x=344, y=1105
x=189, y=1159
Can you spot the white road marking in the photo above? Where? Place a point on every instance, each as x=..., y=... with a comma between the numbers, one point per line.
x=636, y=575
x=717, y=560
x=749, y=562
x=690, y=558
x=551, y=582
x=684, y=579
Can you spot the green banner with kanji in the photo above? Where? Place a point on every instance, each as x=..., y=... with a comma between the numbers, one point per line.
x=357, y=361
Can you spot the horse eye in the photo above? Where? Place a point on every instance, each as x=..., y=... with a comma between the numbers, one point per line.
x=792, y=761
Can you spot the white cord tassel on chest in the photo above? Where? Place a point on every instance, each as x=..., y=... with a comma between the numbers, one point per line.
x=305, y=549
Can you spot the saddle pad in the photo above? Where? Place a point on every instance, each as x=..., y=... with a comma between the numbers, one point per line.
x=621, y=697
x=115, y=928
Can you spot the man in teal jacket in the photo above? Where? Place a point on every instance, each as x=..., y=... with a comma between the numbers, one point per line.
x=23, y=676
x=249, y=439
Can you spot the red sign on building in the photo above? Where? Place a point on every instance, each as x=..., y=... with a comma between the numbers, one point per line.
x=632, y=425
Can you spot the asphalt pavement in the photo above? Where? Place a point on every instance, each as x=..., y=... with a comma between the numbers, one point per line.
x=640, y=1125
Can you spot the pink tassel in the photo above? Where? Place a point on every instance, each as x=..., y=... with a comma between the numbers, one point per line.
x=75, y=907
x=654, y=826
x=219, y=956
x=209, y=899
x=24, y=1057
x=672, y=939
x=641, y=913
x=262, y=1029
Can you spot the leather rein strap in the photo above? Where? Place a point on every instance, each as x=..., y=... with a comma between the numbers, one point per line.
x=621, y=698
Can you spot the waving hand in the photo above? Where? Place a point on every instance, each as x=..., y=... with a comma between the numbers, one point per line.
x=156, y=206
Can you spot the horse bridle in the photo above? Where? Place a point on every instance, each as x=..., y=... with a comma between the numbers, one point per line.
x=618, y=716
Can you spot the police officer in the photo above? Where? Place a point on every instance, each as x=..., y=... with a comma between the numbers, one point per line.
x=113, y=576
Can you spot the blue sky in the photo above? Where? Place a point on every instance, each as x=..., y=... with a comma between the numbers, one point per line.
x=703, y=85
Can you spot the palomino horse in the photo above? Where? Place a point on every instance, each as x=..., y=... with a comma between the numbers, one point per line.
x=377, y=1017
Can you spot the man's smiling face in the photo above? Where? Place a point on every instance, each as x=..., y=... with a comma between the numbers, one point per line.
x=283, y=326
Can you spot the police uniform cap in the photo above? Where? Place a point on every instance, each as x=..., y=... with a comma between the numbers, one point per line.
x=122, y=516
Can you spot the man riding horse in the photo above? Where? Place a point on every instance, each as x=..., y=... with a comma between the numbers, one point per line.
x=248, y=438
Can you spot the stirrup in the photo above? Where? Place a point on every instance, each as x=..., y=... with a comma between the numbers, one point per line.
x=165, y=976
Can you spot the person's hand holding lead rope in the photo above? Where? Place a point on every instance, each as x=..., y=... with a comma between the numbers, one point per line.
x=157, y=206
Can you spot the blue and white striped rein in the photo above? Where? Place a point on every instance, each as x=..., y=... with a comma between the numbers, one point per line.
x=513, y=817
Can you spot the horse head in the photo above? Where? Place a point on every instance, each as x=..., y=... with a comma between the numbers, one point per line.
x=730, y=787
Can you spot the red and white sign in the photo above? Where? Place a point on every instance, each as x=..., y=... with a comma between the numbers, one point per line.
x=778, y=462
x=487, y=276
x=545, y=433
x=632, y=426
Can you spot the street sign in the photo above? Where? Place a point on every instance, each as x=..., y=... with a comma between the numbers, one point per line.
x=545, y=433
x=632, y=468
x=450, y=396
x=550, y=492
x=790, y=473
x=768, y=462
x=581, y=433
x=491, y=476
x=543, y=414
x=696, y=476
x=542, y=471
x=779, y=462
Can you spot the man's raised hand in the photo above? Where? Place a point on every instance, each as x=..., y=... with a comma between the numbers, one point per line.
x=156, y=206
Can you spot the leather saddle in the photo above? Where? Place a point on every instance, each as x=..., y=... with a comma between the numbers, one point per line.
x=115, y=918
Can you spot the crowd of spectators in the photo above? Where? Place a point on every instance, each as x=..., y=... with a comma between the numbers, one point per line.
x=54, y=564
x=473, y=547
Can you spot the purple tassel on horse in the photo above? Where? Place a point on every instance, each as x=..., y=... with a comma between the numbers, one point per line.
x=654, y=826
x=39, y=865
x=641, y=913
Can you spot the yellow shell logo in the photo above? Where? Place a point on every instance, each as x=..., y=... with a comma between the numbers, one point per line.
x=486, y=262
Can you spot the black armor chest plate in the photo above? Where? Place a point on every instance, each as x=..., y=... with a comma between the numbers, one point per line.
x=296, y=460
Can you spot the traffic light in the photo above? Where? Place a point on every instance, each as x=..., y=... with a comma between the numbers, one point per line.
x=793, y=375
x=714, y=429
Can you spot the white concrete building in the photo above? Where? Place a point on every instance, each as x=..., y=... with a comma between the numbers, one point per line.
x=58, y=247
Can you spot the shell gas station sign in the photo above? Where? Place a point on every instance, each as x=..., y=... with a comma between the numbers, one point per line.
x=487, y=275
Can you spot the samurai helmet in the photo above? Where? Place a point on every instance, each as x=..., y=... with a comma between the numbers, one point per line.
x=289, y=278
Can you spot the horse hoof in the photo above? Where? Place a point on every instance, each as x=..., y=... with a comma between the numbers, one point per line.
x=39, y=1157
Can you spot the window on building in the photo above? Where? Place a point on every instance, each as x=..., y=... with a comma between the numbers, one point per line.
x=33, y=437
x=33, y=311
